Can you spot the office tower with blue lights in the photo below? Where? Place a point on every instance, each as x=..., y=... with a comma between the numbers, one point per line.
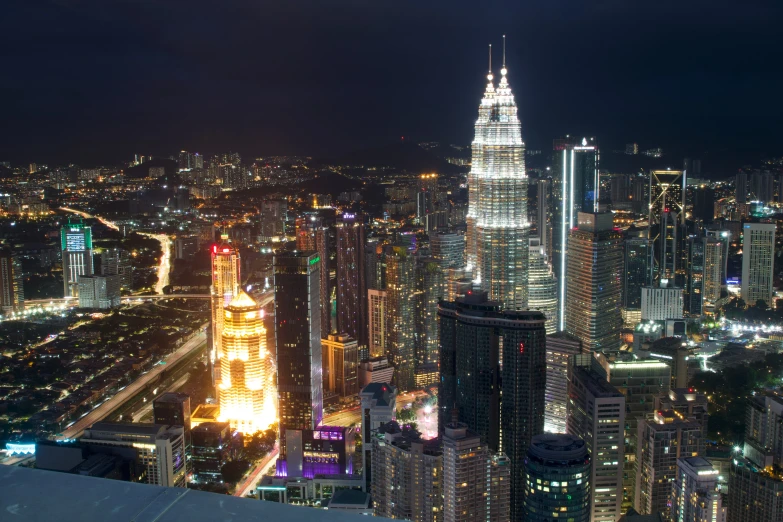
x=594, y=286
x=497, y=238
x=298, y=344
x=563, y=459
x=575, y=189
x=352, y=279
x=476, y=369
x=76, y=242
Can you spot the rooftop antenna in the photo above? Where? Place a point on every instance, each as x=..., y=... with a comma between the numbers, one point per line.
x=504, y=51
x=490, y=58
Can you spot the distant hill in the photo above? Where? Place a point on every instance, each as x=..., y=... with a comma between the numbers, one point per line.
x=400, y=155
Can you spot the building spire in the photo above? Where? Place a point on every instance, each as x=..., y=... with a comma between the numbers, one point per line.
x=490, y=85
x=503, y=81
x=504, y=51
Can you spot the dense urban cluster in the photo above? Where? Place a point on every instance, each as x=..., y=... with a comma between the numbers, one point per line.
x=431, y=333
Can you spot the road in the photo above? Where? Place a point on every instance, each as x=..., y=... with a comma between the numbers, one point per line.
x=354, y=415
x=105, y=409
x=143, y=412
x=256, y=475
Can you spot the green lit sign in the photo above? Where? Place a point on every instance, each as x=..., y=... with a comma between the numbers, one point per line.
x=315, y=260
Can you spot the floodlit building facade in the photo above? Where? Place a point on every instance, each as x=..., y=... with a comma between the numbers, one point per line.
x=377, y=306
x=542, y=285
x=758, y=255
x=497, y=199
x=76, y=243
x=225, y=286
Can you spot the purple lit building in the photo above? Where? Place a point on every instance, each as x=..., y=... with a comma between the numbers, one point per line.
x=326, y=450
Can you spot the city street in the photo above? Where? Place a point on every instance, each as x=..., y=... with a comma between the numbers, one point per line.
x=249, y=484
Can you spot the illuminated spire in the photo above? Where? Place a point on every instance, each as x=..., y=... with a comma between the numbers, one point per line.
x=490, y=77
x=503, y=81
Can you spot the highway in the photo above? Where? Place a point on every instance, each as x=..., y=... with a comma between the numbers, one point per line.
x=249, y=484
x=354, y=415
x=105, y=409
x=138, y=415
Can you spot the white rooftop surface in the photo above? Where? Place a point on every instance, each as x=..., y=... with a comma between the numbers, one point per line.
x=37, y=495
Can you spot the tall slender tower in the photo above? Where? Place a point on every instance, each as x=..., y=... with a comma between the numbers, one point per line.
x=11, y=283
x=498, y=229
x=351, y=278
x=313, y=235
x=225, y=285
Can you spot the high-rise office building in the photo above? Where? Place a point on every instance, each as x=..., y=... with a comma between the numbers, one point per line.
x=340, y=364
x=713, y=268
x=378, y=336
x=762, y=186
x=400, y=315
x=448, y=249
x=98, y=291
x=704, y=205
x=468, y=485
x=225, y=286
x=211, y=447
x=686, y=403
x=695, y=496
x=661, y=440
x=298, y=343
x=562, y=459
x=542, y=285
x=430, y=289
x=378, y=407
x=758, y=257
x=76, y=243
x=640, y=381
x=312, y=235
x=351, y=278
x=560, y=347
x=186, y=247
x=667, y=217
x=117, y=261
x=11, y=283
x=475, y=372
x=594, y=288
x=667, y=193
x=596, y=414
x=638, y=271
x=157, y=451
x=246, y=389
x=576, y=189
x=407, y=474
x=375, y=264
x=661, y=303
x=497, y=195
x=694, y=277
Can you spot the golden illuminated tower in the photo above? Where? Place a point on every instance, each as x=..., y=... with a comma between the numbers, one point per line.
x=246, y=389
x=225, y=285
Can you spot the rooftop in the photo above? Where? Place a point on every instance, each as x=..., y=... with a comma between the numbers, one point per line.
x=127, y=427
x=76, y=497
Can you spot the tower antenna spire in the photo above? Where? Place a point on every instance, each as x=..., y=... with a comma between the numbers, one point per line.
x=504, y=51
x=490, y=58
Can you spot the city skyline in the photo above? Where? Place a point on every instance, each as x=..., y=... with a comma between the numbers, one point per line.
x=181, y=108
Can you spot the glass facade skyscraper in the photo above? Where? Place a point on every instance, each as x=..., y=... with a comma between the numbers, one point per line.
x=76, y=240
x=401, y=315
x=298, y=343
x=351, y=279
x=637, y=272
x=542, y=285
x=497, y=199
x=575, y=189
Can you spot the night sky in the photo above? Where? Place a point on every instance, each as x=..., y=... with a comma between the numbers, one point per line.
x=96, y=81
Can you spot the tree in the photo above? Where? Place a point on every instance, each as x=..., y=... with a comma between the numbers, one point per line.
x=761, y=304
x=234, y=471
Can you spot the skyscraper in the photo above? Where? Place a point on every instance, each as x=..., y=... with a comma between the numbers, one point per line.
x=76, y=242
x=430, y=288
x=594, y=287
x=497, y=194
x=638, y=271
x=758, y=256
x=543, y=225
x=225, y=285
x=713, y=266
x=666, y=216
x=351, y=278
x=596, y=414
x=378, y=335
x=695, y=496
x=475, y=372
x=401, y=306
x=542, y=285
x=116, y=261
x=468, y=483
x=563, y=459
x=575, y=189
x=694, y=289
x=407, y=479
x=246, y=388
x=340, y=364
x=173, y=409
x=448, y=249
x=298, y=343
x=741, y=187
x=312, y=235
x=378, y=407
x=560, y=347
x=99, y=291
x=11, y=283
x=661, y=440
